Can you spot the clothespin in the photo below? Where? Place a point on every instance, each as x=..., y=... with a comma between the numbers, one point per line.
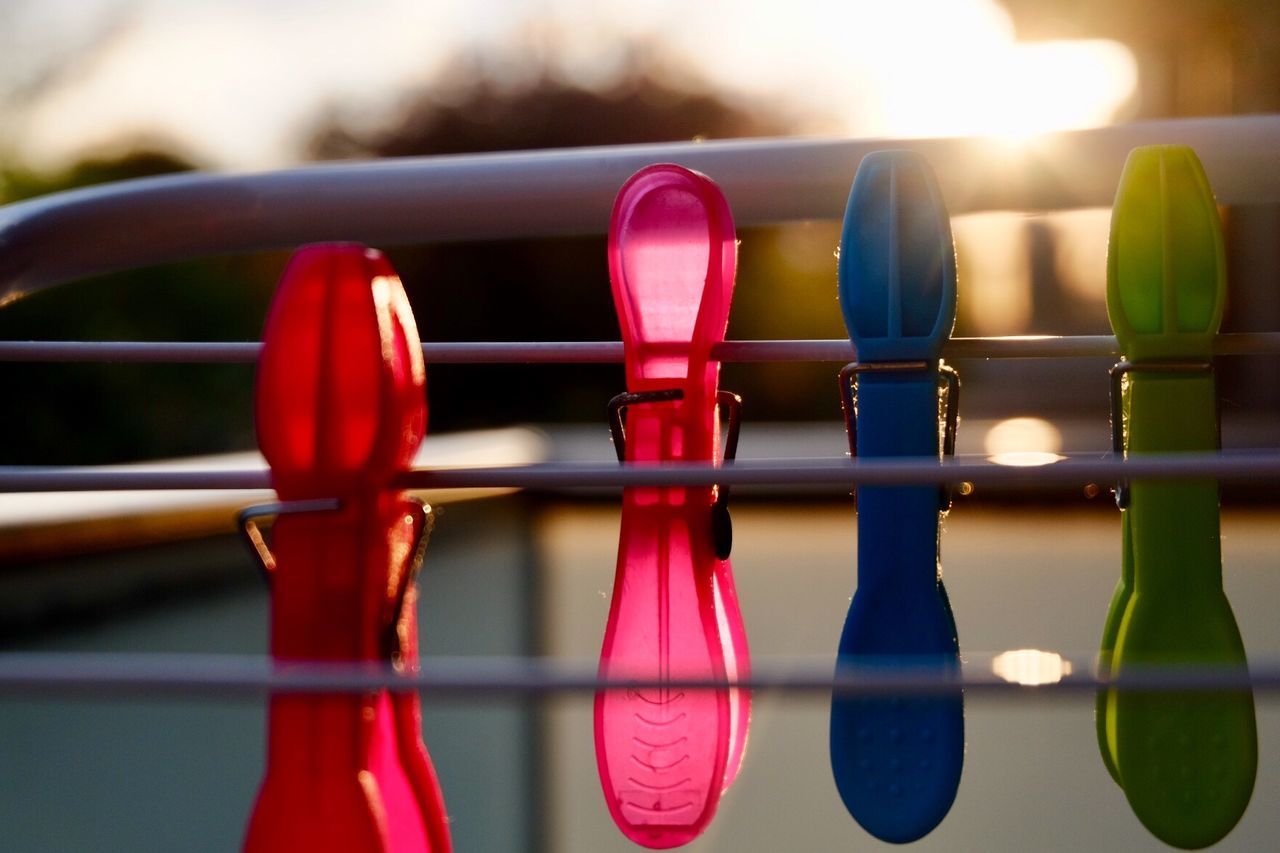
x=665, y=755
x=1186, y=761
x=897, y=760
x=340, y=411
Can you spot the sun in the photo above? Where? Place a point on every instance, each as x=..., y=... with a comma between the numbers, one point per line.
x=1011, y=91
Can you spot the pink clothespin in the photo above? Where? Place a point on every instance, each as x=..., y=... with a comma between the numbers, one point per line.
x=665, y=755
x=340, y=412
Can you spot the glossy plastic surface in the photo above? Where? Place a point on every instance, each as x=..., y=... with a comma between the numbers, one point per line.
x=897, y=265
x=666, y=755
x=340, y=410
x=1186, y=761
x=897, y=760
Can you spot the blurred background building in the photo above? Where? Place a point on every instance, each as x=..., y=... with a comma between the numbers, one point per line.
x=102, y=90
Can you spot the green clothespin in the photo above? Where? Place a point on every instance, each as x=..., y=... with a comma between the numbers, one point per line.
x=1186, y=761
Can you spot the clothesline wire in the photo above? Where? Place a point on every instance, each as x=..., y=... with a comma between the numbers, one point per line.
x=1017, y=470
x=607, y=352
x=202, y=675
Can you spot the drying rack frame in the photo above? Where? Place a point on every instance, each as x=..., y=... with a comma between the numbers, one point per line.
x=47, y=241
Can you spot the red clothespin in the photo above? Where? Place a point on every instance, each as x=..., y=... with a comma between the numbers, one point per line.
x=340, y=411
x=665, y=755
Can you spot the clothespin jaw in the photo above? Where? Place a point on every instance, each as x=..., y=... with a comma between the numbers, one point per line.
x=672, y=244
x=340, y=412
x=897, y=760
x=897, y=268
x=665, y=755
x=340, y=391
x=897, y=276
x=1166, y=285
x=1166, y=262
x=1186, y=761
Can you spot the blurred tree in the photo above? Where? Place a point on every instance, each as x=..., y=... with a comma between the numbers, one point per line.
x=35, y=58
x=462, y=114
x=559, y=289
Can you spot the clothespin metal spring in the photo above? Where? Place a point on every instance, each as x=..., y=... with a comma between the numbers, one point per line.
x=1118, y=373
x=848, y=400
x=247, y=524
x=721, y=523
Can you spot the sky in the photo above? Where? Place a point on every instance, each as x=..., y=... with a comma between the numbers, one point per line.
x=238, y=84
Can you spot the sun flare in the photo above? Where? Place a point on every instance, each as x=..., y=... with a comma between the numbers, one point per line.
x=1014, y=91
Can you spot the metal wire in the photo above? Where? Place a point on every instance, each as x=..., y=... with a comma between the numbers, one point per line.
x=607, y=352
x=1235, y=466
x=93, y=675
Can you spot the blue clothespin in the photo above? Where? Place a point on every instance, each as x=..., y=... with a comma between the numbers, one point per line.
x=897, y=760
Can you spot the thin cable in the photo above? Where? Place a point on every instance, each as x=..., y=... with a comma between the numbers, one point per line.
x=93, y=675
x=1067, y=470
x=607, y=352
x=1236, y=466
x=173, y=352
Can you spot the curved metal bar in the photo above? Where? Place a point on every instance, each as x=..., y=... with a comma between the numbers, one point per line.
x=57, y=238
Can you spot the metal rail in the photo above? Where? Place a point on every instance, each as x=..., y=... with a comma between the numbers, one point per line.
x=57, y=238
x=50, y=240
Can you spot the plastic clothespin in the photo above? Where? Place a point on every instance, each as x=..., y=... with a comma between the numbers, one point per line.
x=665, y=755
x=340, y=411
x=1186, y=761
x=897, y=760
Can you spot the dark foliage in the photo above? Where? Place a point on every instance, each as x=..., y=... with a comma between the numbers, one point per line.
x=93, y=413
x=559, y=289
